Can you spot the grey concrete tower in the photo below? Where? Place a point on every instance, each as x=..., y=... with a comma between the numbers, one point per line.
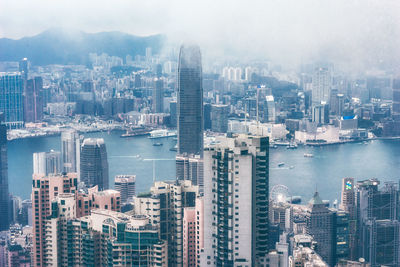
x=190, y=101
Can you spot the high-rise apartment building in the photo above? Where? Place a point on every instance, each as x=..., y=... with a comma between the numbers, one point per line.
x=55, y=202
x=70, y=149
x=5, y=213
x=125, y=184
x=165, y=205
x=93, y=163
x=158, y=96
x=190, y=101
x=236, y=181
x=11, y=99
x=47, y=162
x=33, y=104
x=44, y=190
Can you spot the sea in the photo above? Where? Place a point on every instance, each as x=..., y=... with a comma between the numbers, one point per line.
x=301, y=175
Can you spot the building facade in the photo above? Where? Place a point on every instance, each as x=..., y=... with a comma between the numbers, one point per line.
x=236, y=181
x=11, y=99
x=190, y=101
x=94, y=163
x=125, y=184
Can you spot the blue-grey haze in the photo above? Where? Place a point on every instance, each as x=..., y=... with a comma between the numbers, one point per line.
x=379, y=159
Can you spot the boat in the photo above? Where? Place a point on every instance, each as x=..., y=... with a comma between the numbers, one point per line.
x=175, y=148
x=157, y=144
x=308, y=155
x=162, y=133
x=291, y=167
x=137, y=131
x=281, y=164
x=292, y=145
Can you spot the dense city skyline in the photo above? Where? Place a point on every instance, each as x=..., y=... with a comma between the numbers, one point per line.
x=241, y=134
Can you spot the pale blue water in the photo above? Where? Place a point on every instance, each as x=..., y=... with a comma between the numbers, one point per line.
x=379, y=159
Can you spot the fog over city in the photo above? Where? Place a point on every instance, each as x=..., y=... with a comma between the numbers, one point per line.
x=354, y=35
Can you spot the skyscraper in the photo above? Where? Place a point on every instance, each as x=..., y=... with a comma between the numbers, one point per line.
x=47, y=162
x=319, y=224
x=11, y=99
x=158, y=96
x=125, y=184
x=348, y=204
x=236, y=181
x=4, y=193
x=190, y=101
x=33, y=105
x=94, y=164
x=70, y=149
x=321, y=86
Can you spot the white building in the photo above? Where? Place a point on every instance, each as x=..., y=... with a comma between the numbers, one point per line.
x=236, y=202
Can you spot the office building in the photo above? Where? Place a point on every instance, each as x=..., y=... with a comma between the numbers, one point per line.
x=378, y=222
x=190, y=101
x=165, y=205
x=70, y=149
x=5, y=212
x=320, y=113
x=236, y=181
x=24, y=68
x=158, y=96
x=219, y=118
x=173, y=113
x=348, y=204
x=207, y=116
x=33, y=104
x=381, y=242
x=190, y=168
x=47, y=162
x=319, y=225
x=125, y=184
x=11, y=99
x=321, y=86
x=93, y=163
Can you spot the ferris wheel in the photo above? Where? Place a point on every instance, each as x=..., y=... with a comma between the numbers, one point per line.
x=279, y=193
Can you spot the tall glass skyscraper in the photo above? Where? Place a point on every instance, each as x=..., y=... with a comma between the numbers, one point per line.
x=94, y=164
x=11, y=99
x=190, y=101
x=4, y=194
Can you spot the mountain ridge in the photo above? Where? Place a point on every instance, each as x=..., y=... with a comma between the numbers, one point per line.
x=60, y=46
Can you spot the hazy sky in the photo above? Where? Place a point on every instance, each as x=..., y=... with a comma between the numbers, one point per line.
x=363, y=32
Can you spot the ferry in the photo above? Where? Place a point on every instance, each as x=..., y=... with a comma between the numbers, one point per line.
x=137, y=131
x=308, y=155
x=162, y=133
